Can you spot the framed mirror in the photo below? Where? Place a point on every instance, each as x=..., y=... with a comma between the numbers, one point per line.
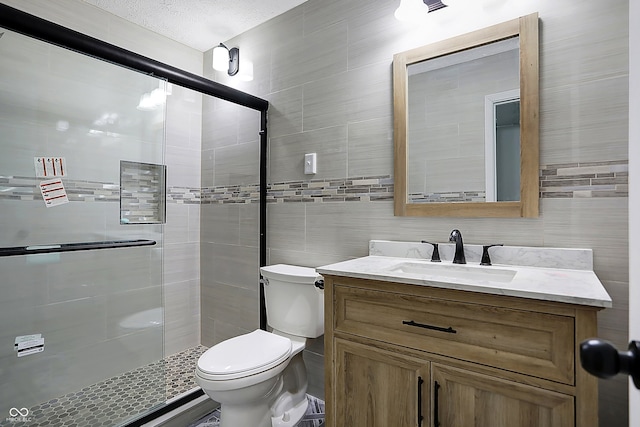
x=466, y=124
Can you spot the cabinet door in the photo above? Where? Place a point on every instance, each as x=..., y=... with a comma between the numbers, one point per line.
x=467, y=399
x=378, y=388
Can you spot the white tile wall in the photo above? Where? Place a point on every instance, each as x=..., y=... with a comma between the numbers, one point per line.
x=325, y=67
x=342, y=109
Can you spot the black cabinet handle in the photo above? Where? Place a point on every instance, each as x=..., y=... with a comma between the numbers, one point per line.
x=448, y=330
x=436, y=420
x=420, y=417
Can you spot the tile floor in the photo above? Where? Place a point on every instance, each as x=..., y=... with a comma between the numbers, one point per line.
x=115, y=400
x=314, y=416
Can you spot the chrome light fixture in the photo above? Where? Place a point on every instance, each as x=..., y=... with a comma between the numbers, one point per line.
x=225, y=59
x=434, y=5
x=413, y=10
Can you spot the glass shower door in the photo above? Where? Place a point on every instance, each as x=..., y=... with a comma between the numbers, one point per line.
x=81, y=238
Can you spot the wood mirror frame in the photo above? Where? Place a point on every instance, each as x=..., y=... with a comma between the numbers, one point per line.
x=526, y=28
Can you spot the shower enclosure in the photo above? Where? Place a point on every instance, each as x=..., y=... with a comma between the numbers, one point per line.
x=82, y=204
x=81, y=237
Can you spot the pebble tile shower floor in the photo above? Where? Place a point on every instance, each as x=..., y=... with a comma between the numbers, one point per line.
x=115, y=400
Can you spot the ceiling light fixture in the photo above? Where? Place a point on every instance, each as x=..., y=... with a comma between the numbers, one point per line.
x=413, y=10
x=434, y=5
x=225, y=59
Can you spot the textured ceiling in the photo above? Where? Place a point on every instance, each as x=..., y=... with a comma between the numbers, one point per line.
x=201, y=24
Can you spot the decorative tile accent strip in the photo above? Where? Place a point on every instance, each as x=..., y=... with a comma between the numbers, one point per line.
x=361, y=189
x=184, y=195
x=26, y=188
x=594, y=179
x=460, y=196
x=249, y=193
x=116, y=399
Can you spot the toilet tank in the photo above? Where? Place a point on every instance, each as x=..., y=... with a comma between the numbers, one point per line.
x=294, y=304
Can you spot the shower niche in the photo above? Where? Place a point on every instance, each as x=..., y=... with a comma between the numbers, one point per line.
x=142, y=193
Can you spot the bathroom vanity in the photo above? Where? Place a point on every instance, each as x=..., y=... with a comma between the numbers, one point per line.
x=413, y=343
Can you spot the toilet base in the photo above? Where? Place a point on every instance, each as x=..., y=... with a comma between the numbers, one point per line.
x=292, y=416
x=279, y=400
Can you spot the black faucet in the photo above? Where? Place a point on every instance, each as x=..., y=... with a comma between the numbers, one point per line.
x=456, y=236
x=486, y=260
x=435, y=255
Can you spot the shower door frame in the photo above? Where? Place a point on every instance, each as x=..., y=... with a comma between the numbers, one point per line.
x=58, y=35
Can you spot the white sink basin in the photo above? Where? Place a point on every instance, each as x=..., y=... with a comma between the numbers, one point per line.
x=453, y=272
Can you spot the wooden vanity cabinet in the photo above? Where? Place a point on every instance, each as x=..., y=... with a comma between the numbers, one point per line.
x=416, y=356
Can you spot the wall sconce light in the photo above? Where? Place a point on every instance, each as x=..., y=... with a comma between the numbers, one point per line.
x=225, y=59
x=413, y=10
x=434, y=5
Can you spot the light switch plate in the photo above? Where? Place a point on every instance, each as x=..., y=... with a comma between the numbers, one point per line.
x=310, y=163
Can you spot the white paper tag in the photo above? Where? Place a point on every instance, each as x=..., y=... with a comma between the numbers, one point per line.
x=25, y=345
x=26, y=348
x=29, y=351
x=24, y=338
x=53, y=192
x=49, y=167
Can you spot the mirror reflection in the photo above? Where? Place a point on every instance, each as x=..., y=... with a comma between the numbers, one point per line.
x=463, y=139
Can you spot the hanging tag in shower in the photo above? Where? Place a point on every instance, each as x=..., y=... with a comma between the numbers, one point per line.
x=23, y=338
x=49, y=167
x=53, y=192
x=27, y=345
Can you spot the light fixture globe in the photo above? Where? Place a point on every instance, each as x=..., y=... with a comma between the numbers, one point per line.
x=225, y=59
x=220, y=58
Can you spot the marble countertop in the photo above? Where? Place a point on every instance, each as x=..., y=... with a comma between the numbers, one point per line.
x=573, y=286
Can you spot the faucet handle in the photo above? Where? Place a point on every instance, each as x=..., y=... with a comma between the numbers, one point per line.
x=435, y=255
x=485, y=254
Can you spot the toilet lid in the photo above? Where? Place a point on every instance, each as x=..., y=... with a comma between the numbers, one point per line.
x=250, y=353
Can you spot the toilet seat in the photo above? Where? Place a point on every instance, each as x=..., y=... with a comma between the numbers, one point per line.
x=244, y=355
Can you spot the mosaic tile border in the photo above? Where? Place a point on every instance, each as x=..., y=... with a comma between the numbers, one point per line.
x=27, y=189
x=227, y=194
x=452, y=196
x=567, y=180
x=184, y=195
x=116, y=399
x=593, y=179
x=359, y=189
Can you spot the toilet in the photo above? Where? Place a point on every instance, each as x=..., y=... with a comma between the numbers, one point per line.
x=259, y=378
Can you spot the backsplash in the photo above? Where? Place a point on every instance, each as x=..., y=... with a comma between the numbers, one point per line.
x=560, y=258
